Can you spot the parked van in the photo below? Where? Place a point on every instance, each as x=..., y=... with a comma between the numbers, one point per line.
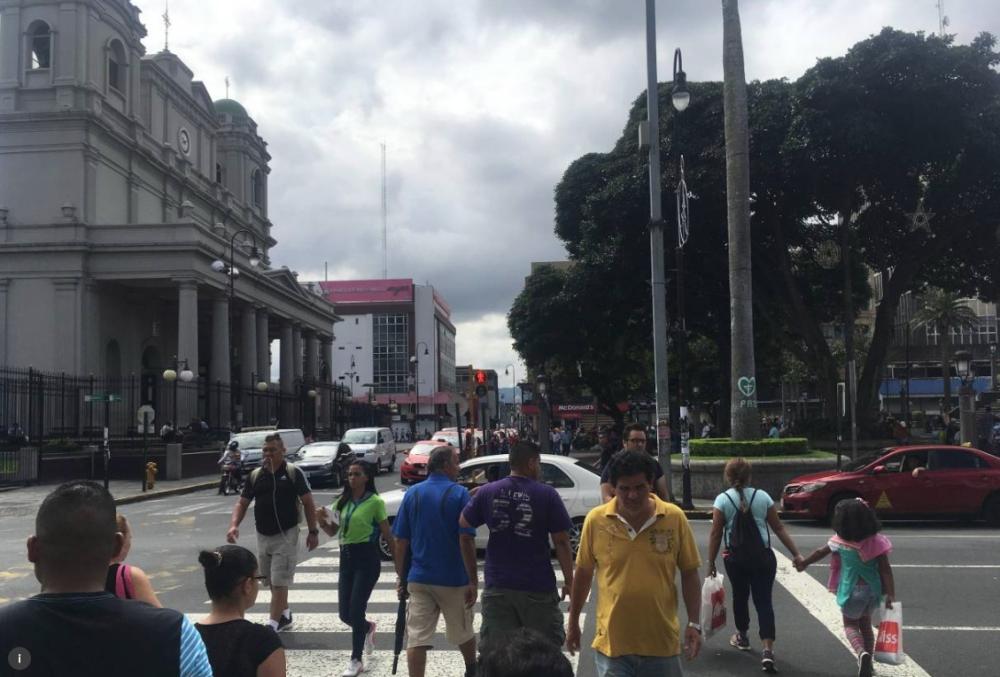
x=376, y=446
x=252, y=442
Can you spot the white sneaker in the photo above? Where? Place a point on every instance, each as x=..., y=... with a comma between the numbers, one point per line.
x=354, y=669
x=370, y=639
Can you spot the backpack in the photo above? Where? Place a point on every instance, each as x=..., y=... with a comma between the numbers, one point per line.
x=746, y=546
x=292, y=470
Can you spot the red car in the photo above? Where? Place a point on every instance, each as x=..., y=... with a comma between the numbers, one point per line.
x=414, y=467
x=905, y=482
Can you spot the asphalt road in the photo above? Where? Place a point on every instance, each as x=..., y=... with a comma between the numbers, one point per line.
x=947, y=577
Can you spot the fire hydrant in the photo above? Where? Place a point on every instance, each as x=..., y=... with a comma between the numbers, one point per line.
x=150, y=474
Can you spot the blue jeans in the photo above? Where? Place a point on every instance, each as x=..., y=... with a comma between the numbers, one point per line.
x=360, y=566
x=638, y=666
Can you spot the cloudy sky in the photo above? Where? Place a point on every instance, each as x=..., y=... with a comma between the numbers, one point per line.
x=482, y=104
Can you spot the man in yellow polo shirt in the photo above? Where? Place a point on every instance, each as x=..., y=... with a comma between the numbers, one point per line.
x=637, y=542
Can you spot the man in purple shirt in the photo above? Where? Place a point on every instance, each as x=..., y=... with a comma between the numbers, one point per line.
x=521, y=513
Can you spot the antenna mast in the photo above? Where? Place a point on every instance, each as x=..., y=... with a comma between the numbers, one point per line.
x=942, y=18
x=385, y=223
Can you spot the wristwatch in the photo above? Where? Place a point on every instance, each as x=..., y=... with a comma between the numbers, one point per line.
x=314, y=532
x=696, y=626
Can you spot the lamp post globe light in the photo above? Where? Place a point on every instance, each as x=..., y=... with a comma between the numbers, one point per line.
x=180, y=372
x=966, y=396
x=229, y=269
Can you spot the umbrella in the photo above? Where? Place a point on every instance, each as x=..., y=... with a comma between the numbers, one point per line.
x=400, y=627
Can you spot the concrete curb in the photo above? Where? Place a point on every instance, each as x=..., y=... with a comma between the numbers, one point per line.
x=163, y=493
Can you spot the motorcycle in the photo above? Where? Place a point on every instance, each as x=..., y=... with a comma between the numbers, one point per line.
x=341, y=461
x=232, y=479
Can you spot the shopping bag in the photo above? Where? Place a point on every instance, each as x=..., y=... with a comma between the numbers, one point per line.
x=713, y=605
x=889, y=644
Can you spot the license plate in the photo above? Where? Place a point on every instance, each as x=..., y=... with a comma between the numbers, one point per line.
x=422, y=471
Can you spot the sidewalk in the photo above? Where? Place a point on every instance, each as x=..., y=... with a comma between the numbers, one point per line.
x=18, y=500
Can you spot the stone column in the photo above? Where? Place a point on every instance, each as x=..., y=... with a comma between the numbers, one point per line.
x=326, y=359
x=187, y=348
x=312, y=356
x=248, y=348
x=323, y=371
x=287, y=375
x=220, y=371
x=297, y=353
x=4, y=324
x=263, y=347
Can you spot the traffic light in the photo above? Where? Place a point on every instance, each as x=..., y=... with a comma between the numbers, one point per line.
x=480, y=377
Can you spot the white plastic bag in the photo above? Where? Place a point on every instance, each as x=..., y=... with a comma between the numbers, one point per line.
x=713, y=605
x=889, y=642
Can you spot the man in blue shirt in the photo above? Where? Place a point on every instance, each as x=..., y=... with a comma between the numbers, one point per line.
x=74, y=627
x=427, y=531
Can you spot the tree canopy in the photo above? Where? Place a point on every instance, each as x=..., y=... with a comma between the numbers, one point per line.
x=892, y=146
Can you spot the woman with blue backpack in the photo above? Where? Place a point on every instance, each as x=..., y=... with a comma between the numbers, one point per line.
x=741, y=516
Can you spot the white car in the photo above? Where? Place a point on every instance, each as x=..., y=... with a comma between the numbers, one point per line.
x=578, y=485
x=375, y=446
x=252, y=442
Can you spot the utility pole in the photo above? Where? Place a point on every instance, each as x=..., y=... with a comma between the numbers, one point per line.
x=658, y=278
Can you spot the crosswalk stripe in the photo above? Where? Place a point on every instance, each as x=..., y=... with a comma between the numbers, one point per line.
x=183, y=510
x=330, y=622
x=448, y=661
x=331, y=575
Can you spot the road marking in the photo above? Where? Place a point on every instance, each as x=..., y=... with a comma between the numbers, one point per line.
x=933, y=566
x=819, y=602
x=330, y=622
x=328, y=662
x=181, y=511
x=958, y=628
x=331, y=575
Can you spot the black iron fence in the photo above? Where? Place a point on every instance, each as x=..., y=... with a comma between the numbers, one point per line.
x=48, y=410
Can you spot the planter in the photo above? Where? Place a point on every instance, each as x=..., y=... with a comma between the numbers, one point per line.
x=769, y=474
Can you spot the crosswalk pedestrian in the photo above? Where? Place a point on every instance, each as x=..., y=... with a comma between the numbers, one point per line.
x=320, y=643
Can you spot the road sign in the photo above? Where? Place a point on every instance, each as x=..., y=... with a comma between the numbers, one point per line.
x=146, y=411
x=102, y=397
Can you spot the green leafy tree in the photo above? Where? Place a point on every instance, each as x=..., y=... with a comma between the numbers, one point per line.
x=945, y=311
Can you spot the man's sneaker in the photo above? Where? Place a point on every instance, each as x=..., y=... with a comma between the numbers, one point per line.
x=767, y=661
x=370, y=639
x=740, y=641
x=865, y=664
x=285, y=622
x=353, y=669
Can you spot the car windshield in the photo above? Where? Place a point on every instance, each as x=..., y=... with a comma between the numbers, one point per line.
x=325, y=449
x=359, y=437
x=252, y=440
x=867, y=459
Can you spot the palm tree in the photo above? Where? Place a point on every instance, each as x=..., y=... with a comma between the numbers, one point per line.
x=745, y=421
x=945, y=311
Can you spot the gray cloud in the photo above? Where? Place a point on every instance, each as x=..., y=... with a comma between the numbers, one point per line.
x=482, y=104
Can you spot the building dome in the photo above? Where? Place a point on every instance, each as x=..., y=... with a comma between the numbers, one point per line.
x=233, y=108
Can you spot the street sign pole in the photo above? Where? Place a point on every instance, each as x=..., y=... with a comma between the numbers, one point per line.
x=145, y=449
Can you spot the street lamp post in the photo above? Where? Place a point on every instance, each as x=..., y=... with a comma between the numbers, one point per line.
x=415, y=361
x=680, y=97
x=232, y=271
x=514, y=393
x=544, y=442
x=966, y=396
x=651, y=136
x=994, y=382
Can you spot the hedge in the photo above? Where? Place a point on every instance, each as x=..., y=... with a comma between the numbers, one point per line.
x=714, y=447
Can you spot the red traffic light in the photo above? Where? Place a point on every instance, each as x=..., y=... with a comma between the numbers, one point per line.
x=481, y=377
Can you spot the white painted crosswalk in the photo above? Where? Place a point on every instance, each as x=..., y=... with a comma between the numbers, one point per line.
x=319, y=642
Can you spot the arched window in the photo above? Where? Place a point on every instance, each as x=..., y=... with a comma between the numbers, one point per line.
x=40, y=45
x=257, y=188
x=116, y=65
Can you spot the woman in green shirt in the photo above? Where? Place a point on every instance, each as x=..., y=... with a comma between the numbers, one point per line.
x=359, y=517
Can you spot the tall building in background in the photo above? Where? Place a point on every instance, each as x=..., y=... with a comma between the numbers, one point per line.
x=396, y=344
